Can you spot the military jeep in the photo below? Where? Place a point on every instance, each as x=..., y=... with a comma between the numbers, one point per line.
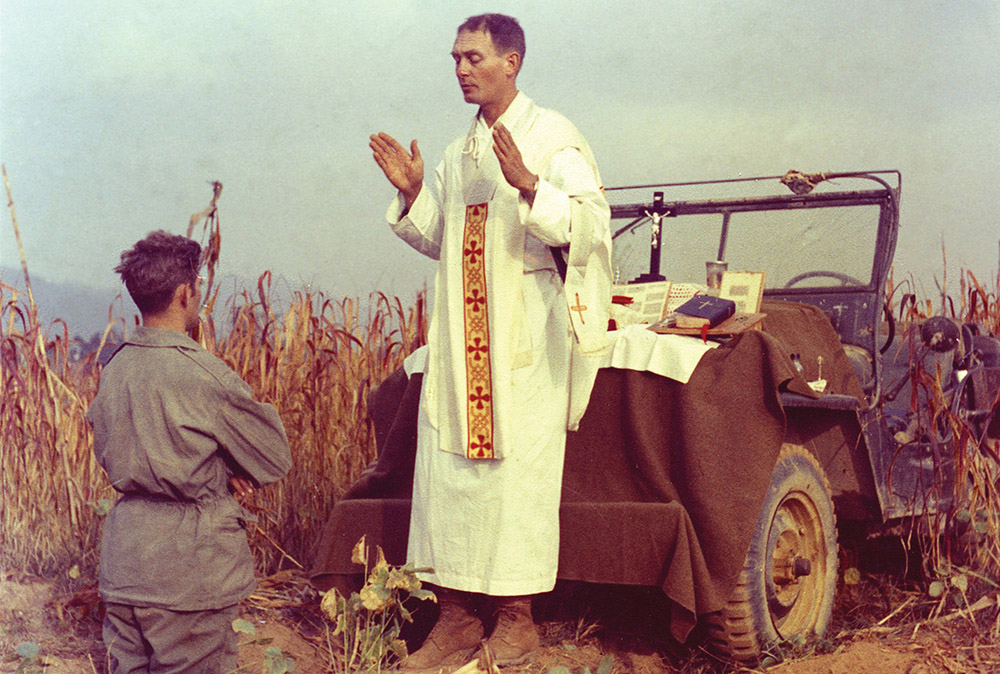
x=880, y=448
x=725, y=490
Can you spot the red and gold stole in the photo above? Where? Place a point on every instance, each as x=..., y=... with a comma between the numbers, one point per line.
x=478, y=375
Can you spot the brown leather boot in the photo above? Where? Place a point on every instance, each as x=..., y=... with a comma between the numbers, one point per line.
x=515, y=635
x=455, y=636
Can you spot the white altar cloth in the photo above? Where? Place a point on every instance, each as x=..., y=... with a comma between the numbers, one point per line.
x=634, y=347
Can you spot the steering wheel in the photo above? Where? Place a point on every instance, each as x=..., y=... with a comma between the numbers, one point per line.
x=843, y=278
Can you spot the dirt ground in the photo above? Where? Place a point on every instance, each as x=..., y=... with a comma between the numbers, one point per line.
x=878, y=628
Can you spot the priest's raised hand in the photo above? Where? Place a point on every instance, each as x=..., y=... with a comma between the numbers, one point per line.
x=405, y=170
x=511, y=163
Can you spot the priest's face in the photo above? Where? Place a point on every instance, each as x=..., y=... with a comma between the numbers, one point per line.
x=486, y=77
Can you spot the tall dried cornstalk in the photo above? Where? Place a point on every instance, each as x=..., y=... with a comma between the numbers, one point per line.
x=315, y=360
x=977, y=456
x=47, y=471
x=973, y=522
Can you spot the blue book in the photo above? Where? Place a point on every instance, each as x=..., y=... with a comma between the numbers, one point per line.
x=704, y=309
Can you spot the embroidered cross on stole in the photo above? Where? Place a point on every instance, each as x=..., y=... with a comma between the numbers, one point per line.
x=478, y=372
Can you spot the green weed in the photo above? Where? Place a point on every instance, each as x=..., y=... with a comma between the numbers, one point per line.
x=368, y=622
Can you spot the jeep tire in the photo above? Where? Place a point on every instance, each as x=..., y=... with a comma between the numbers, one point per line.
x=786, y=589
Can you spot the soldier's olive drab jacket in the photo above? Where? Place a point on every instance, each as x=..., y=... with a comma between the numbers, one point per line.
x=171, y=424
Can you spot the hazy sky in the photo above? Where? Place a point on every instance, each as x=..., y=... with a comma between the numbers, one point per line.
x=115, y=115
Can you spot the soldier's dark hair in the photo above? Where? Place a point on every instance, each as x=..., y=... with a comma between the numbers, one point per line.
x=505, y=30
x=155, y=266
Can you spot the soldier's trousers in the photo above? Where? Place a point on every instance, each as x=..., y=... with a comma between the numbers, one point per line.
x=159, y=641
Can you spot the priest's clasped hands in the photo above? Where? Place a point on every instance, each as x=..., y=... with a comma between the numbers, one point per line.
x=405, y=170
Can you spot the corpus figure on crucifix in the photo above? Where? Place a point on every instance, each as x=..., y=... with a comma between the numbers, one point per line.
x=513, y=347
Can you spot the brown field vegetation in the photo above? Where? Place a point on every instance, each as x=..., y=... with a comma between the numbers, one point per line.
x=315, y=360
x=976, y=508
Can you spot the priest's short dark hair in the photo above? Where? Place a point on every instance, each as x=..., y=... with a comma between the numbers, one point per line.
x=505, y=31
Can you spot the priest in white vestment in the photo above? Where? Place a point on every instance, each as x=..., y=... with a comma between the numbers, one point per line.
x=513, y=346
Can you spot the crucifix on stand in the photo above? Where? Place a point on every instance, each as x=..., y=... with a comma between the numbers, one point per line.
x=656, y=214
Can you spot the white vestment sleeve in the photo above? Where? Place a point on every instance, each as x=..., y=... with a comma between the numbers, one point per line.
x=423, y=225
x=566, y=181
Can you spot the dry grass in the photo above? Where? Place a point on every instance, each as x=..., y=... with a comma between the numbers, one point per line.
x=48, y=474
x=972, y=544
x=315, y=360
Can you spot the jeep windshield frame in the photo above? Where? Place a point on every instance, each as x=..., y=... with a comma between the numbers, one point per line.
x=829, y=246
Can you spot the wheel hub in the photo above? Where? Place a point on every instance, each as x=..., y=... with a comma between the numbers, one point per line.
x=796, y=557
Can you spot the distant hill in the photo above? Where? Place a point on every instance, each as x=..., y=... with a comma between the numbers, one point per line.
x=83, y=308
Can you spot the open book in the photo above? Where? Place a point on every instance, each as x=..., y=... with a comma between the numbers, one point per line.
x=652, y=302
x=639, y=302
